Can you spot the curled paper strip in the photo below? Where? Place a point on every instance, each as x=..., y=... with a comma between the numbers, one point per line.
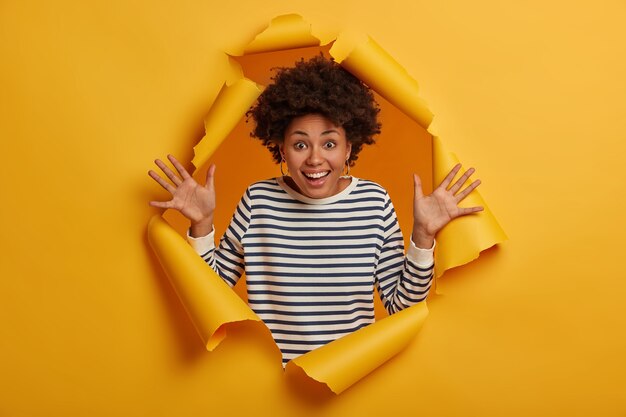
x=212, y=304
x=209, y=301
x=462, y=240
x=345, y=361
x=284, y=32
x=229, y=106
x=363, y=57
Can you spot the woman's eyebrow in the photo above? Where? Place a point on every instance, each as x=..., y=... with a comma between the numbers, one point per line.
x=301, y=132
x=298, y=132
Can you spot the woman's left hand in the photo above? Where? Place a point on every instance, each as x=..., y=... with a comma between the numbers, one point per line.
x=432, y=212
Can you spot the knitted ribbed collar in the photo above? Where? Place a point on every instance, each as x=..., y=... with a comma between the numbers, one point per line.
x=328, y=200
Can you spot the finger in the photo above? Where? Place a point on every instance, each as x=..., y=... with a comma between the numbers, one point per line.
x=210, y=176
x=167, y=171
x=463, y=211
x=161, y=204
x=417, y=186
x=460, y=196
x=459, y=183
x=171, y=189
x=448, y=179
x=179, y=167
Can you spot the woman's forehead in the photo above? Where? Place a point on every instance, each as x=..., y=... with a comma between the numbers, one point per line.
x=313, y=122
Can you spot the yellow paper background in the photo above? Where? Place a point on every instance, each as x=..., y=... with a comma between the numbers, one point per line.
x=532, y=95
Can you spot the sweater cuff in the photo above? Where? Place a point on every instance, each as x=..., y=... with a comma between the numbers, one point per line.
x=421, y=257
x=202, y=244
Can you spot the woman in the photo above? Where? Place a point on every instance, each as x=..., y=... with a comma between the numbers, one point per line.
x=315, y=243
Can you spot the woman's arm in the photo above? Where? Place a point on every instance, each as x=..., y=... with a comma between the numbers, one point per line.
x=227, y=260
x=197, y=203
x=401, y=280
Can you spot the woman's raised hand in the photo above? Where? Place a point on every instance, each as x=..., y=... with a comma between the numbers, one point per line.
x=432, y=212
x=196, y=202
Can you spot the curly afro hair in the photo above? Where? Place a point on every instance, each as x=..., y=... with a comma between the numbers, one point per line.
x=317, y=86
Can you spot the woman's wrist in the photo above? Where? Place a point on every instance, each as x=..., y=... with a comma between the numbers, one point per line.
x=201, y=228
x=422, y=239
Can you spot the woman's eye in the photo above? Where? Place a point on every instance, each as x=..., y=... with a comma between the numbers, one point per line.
x=329, y=145
x=300, y=145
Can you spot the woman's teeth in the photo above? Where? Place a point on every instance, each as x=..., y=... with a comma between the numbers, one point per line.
x=317, y=175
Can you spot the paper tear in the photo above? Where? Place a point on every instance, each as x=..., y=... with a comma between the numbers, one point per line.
x=364, y=58
x=209, y=301
x=235, y=72
x=212, y=305
x=231, y=104
x=284, y=32
x=345, y=361
x=462, y=240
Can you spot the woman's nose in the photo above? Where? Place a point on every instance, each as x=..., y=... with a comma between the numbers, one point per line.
x=315, y=157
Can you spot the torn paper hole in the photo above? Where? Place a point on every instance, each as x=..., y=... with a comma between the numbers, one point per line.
x=212, y=305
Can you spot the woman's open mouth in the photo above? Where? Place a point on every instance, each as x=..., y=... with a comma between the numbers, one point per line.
x=315, y=178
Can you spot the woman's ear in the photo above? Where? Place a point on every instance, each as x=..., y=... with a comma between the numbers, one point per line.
x=349, y=150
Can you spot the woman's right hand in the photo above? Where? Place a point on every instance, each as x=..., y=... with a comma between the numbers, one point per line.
x=196, y=202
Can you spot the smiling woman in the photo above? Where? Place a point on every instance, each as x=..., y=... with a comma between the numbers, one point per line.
x=316, y=153
x=315, y=244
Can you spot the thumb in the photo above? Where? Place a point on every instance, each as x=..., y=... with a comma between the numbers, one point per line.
x=417, y=185
x=210, y=176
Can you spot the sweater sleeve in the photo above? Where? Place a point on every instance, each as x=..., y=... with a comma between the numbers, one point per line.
x=401, y=280
x=227, y=260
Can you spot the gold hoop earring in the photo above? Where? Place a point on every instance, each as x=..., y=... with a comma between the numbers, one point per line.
x=347, y=168
x=282, y=172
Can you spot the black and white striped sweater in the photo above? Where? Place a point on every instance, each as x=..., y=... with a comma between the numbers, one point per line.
x=311, y=265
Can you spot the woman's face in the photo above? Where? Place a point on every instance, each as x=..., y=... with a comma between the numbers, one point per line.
x=316, y=151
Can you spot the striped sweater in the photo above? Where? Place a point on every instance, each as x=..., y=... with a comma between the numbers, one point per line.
x=311, y=265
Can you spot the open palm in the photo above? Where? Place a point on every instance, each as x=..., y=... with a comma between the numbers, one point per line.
x=432, y=212
x=196, y=202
